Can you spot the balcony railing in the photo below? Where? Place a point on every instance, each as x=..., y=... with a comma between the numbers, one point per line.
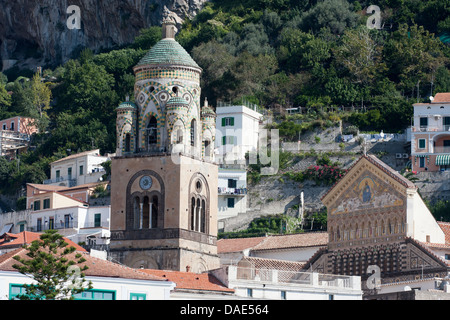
x=293, y=277
x=72, y=182
x=442, y=128
x=49, y=226
x=441, y=150
x=67, y=225
x=232, y=191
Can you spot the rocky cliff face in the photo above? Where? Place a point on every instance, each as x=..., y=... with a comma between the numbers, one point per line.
x=35, y=32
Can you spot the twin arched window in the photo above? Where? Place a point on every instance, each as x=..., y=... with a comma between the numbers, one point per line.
x=145, y=212
x=198, y=214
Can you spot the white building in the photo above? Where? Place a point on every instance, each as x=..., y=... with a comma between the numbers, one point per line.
x=69, y=211
x=259, y=278
x=237, y=131
x=77, y=169
x=78, y=223
x=110, y=281
x=232, y=192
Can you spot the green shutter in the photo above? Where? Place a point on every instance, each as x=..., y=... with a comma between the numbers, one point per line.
x=224, y=140
x=232, y=121
x=223, y=122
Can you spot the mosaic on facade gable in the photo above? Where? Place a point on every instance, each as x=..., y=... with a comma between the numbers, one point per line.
x=367, y=193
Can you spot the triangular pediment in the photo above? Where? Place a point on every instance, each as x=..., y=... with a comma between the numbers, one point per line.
x=369, y=186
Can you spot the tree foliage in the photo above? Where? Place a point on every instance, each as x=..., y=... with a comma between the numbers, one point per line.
x=55, y=268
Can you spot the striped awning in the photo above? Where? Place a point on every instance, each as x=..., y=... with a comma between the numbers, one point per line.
x=443, y=159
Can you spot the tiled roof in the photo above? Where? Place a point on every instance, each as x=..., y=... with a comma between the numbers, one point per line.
x=273, y=264
x=442, y=97
x=127, y=105
x=96, y=267
x=46, y=187
x=72, y=156
x=168, y=52
x=190, y=280
x=300, y=240
x=14, y=240
x=445, y=227
x=237, y=245
x=177, y=101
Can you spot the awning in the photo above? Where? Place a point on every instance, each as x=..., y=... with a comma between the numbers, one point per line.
x=6, y=229
x=443, y=159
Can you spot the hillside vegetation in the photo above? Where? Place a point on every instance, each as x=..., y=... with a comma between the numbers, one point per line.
x=318, y=55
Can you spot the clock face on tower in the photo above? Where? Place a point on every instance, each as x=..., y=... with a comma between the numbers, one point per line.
x=145, y=182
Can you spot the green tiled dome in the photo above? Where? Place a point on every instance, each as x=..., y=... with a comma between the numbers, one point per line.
x=127, y=105
x=168, y=51
x=177, y=101
x=207, y=111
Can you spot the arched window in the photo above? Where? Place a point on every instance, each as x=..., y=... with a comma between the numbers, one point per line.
x=136, y=212
x=193, y=132
x=197, y=215
x=154, y=209
x=152, y=131
x=179, y=136
x=207, y=148
x=203, y=217
x=145, y=213
x=192, y=213
x=127, y=142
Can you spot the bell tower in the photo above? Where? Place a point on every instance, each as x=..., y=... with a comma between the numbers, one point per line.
x=163, y=178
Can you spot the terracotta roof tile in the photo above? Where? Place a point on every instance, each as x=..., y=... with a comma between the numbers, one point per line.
x=237, y=245
x=273, y=264
x=445, y=227
x=190, y=280
x=442, y=97
x=308, y=239
x=15, y=240
x=96, y=267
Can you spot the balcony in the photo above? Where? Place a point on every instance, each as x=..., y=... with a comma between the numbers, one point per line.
x=71, y=182
x=280, y=277
x=232, y=191
x=441, y=149
x=442, y=128
x=49, y=226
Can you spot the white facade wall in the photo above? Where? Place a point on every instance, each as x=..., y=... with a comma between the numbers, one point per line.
x=245, y=129
x=81, y=221
x=339, y=289
x=154, y=290
x=91, y=172
x=421, y=224
x=240, y=201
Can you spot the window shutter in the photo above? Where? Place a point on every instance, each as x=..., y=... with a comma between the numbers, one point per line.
x=232, y=121
x=224, y=140
x=223, y=122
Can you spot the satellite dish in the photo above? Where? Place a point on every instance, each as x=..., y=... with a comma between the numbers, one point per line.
x=431, y=98
x=407, y=288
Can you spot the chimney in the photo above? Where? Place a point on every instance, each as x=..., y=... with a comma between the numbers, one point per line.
x=188, y=268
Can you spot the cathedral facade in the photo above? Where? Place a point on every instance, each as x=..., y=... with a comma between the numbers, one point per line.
x=378, y=223
x=163, y=178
